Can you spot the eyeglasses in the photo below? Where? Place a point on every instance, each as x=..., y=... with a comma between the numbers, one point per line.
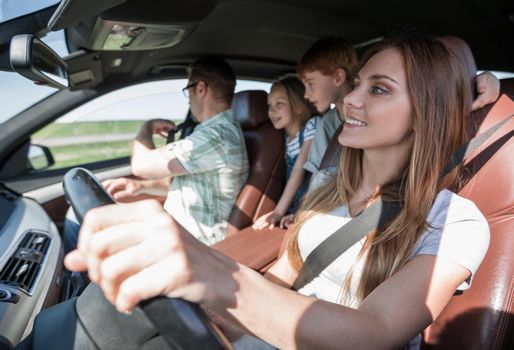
x=185, y=90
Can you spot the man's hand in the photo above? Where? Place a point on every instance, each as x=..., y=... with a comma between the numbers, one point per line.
x=149, y=161
x=488, y=90
x=160, y=126
x=122, y=187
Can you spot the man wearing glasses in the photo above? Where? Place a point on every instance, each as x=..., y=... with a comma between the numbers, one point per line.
x=201, y=174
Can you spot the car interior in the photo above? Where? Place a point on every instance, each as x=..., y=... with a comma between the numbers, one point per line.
x=114, y=44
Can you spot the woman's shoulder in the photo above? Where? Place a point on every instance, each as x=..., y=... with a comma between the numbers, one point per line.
x=450, y=207
x=456, y=230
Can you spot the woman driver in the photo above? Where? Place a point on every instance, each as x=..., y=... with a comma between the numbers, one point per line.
x=404, y=119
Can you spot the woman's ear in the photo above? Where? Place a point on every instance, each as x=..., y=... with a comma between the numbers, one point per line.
x=339, y=76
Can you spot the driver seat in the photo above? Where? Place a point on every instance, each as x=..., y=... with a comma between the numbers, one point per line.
x=482, y=317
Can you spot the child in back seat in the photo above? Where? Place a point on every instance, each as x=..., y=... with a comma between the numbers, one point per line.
x=288, y=110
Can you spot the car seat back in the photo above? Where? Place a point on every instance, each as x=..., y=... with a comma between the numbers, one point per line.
x=482, y=317
x=265, y=147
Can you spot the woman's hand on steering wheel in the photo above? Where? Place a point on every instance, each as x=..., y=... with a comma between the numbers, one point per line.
x=137, y=251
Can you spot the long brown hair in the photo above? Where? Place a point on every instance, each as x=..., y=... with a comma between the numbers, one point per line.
x=438, y=91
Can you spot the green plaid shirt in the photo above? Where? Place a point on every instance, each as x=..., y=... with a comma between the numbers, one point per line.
x=215, y=158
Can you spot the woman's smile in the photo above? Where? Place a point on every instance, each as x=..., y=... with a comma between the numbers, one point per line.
x=351, y=122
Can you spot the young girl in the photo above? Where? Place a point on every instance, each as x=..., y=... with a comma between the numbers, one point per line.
x=404, y=118
x=288, y=110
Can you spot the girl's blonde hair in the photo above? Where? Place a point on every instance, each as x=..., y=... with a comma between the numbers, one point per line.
x=438, y=91
x=295, y=90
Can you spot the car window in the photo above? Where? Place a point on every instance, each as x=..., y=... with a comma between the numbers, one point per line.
x=10, y=9
x=18, y=93
x=105, y=127
x=501, y=75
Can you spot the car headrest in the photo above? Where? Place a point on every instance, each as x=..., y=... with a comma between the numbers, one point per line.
x=250, y=108
x=461, y=49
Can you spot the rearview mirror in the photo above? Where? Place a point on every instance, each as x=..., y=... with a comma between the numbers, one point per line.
x=34, y=60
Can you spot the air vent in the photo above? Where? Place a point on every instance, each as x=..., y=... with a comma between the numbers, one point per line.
x=24, y=265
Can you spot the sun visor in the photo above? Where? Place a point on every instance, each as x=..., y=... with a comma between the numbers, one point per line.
x=70, y=12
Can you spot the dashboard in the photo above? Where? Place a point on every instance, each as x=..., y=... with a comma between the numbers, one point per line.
x=31, y=257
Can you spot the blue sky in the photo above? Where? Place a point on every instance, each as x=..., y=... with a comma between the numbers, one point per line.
x=17, y=92
x=10, y=9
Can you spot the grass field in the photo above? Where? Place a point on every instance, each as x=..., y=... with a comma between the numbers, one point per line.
x=88, y=128
x=80, y=151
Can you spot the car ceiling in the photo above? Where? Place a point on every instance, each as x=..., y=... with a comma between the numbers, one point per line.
x=263, y=39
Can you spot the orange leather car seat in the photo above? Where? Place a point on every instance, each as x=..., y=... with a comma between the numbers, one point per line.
x=265, y=147
x=483, y=316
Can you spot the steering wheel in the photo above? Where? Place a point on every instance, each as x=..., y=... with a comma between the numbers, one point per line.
x=182, y=324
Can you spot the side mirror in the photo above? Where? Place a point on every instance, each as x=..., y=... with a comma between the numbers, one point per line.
x=40, y=157
x=34, y=60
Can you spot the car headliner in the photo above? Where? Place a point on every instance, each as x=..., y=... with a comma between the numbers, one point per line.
x=263, y=39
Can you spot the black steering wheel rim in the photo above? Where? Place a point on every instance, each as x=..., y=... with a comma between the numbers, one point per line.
x=184, y=325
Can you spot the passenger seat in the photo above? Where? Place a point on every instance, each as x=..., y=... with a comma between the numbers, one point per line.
x=265, y=147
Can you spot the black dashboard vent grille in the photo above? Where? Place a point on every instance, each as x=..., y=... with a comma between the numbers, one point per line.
x=23, y=266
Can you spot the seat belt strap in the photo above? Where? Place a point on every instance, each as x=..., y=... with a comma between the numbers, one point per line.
x=464, y=150
x=372, y=218
x=338, y=242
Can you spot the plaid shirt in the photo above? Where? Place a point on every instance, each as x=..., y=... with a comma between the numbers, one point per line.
x=215, y=158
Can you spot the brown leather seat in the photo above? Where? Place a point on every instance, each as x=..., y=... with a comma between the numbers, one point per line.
x=483, y=316
x=265, y=147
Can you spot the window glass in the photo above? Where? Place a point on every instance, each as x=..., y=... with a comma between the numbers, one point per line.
x=57, y=42
x=18, y=93
x=104, y=128
x=10, y=9
x=499, y=74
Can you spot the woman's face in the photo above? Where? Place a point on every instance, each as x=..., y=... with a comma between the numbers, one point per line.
x=279, y=108
x=378, y=112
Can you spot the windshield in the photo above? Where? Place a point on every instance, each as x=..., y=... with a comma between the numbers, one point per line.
x=10, y=9
x=19, y=93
